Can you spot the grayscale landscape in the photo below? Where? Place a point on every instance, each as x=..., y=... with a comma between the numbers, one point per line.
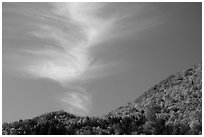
x=119, y=68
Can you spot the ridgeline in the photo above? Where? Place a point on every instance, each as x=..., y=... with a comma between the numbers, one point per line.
x=172, y=107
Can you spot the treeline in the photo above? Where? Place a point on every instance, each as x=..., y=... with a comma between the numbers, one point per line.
x=172, y=107
x=61, y=123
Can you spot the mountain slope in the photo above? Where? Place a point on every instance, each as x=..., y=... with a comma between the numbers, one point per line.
x=173, y=106
x=176, y=101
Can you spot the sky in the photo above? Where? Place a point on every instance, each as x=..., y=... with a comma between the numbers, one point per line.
x=90, y=58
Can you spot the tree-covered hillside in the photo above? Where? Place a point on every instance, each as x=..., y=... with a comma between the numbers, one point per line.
x=173, y=106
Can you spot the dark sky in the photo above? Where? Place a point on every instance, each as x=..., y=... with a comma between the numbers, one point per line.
x=90, y=58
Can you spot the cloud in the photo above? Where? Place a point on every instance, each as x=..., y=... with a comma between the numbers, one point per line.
x=77, y=102
x=67, y=32
x=67, y=59
x=85, y=15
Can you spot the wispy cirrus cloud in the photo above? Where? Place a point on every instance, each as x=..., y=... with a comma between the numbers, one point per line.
x=69, y=58
x=65, y=33
x=77, y=102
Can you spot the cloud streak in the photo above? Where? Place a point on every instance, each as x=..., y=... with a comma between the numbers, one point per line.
x=72, y=59
x=77, y=102
x=67, y=32
x=69, y=58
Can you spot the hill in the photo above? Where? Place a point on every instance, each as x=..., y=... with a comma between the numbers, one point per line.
x=173, y=106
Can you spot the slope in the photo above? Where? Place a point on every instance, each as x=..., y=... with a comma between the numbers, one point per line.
x=173, y=106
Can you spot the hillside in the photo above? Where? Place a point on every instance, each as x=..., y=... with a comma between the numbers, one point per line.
x=173, y=106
